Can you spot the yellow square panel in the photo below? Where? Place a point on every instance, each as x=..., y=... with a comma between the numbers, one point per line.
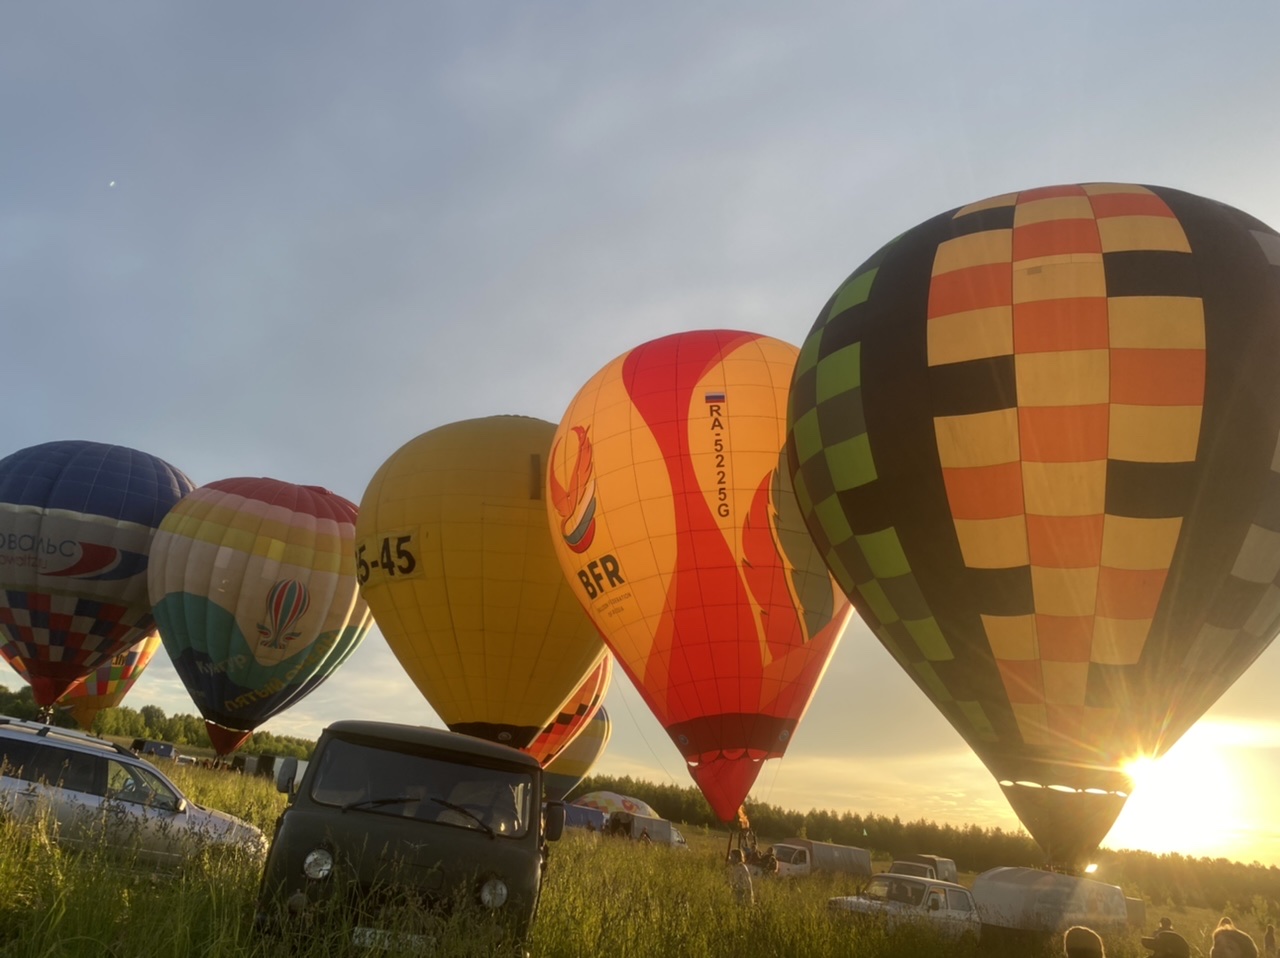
x=1053, y=277
x=1065, y=488
x=994, y=203
x=1156, y=322
x=1138, y=544
x=979, y=439
x=1120, y=233
x=1079, y=377
x=975, y=249
x=1154, y=433
x=993, y=543
x=1064, y=682
x=1119, y=641
x=1032, y=723
x=1012, y=637
x=975, y=334
x=1067, y=592
x=1053, y=208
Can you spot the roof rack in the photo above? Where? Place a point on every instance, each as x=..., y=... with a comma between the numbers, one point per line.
x=68, y=735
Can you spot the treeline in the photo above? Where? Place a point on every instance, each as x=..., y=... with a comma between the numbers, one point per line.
x=1173, y=882
x=151, y=722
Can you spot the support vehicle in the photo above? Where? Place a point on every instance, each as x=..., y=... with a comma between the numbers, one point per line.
x=394, y=829
x=907, y=900
x=801, y=856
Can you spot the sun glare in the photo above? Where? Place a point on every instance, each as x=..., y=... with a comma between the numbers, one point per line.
x=1191, y=800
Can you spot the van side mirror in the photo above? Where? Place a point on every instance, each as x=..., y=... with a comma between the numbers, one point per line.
x=555, y=821
x=934, y=904
x=286, y=775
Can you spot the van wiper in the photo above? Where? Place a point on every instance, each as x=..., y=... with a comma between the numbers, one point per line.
x=462, y=809
x=379, y=802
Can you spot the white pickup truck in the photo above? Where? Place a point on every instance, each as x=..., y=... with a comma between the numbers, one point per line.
x=901, y=900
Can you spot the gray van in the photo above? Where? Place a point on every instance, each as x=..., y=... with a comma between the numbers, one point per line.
x=394, y=828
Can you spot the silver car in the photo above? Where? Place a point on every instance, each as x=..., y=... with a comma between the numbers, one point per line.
x=905, y=900
x=100, y=795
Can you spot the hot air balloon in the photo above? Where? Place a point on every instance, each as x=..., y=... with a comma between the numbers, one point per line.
x=1036, y=439
x=674, y=520
x=107, y=685
x=613, y=802
x=456, y=562
x=255, y=592
x=76, y=523
x=574, y=714
x=15, y=663
x=572, y=763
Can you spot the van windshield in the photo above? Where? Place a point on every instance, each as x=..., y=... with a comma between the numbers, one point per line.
x=362, y=778
x=788, y=853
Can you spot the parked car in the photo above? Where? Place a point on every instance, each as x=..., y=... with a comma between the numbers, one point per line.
x=100, y=795
x=902, y=900
x=919, y=869
x=395, y=826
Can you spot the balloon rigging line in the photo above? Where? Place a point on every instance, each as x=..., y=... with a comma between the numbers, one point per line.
x=643, y=737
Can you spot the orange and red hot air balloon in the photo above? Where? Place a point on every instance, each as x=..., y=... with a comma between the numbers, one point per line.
x=1036, y=439
x=678, y=529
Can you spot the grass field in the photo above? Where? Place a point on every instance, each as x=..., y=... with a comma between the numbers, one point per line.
x=609, y=898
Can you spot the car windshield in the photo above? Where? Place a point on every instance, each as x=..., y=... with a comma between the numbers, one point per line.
x=786, y=853
x=886, y=888
x=426, y=786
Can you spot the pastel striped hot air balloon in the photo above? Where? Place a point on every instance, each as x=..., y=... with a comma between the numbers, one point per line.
x=255, y=593
x=76, y=523
x=1036, y=439
x=456, y=561
x=574, y=714
x=107, y=685
x=672, y=513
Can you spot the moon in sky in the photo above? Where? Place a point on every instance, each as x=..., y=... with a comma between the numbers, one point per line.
x=112, y=183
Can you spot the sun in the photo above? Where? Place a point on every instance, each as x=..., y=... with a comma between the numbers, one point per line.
x=1190, y=800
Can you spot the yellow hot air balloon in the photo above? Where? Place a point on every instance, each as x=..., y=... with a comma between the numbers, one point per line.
x=455, y=559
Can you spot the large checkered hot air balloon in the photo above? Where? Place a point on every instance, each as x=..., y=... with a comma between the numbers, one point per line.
x=673, y=517
x=76, y=524
x=255, y=593
x=1036, y=439
x=456, y=561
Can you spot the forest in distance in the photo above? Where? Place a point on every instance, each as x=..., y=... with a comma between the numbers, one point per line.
x=1167, y=881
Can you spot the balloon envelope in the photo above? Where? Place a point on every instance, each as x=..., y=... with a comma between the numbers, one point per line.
x=107, y=685
x=574, y=714
x=574, y=762
x=76, y=524
x=255, y=593
x=677, y=525
x=456, y=561
x=610, y=802
x=1036, y=439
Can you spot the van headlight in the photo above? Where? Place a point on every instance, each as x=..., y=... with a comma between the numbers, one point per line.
x=493, y=893
x=318, y=863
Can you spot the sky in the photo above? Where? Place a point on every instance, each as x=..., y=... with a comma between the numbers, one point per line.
x=282, y=240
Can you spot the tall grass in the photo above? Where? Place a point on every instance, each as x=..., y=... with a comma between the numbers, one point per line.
x=602, y=897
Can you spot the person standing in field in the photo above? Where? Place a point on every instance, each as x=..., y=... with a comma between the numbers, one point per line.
x=1230, y=942
x=1082, y=942
x=740, y=878
x=1269, y=942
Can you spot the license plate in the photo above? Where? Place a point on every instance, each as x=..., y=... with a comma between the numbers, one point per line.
x=377, y=938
